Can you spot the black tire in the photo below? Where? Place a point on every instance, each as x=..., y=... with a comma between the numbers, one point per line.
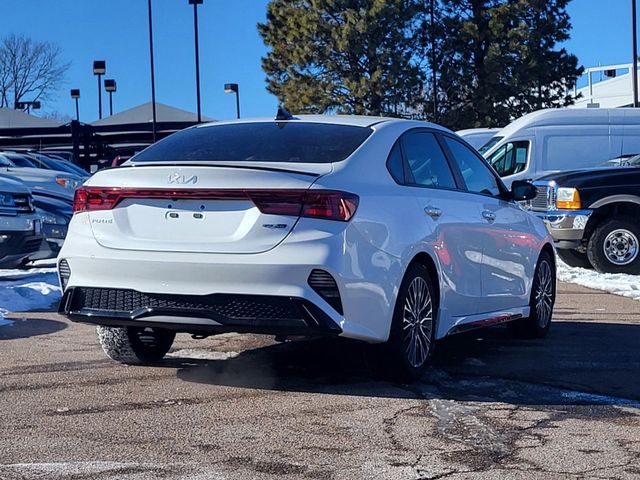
x=613, y=246
x=574, y=258
x=411, y=339
x=135, y=345
x=543, y=298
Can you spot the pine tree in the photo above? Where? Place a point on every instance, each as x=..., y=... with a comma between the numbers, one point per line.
x=544, y=73
x=344, y=56
x=499, y=60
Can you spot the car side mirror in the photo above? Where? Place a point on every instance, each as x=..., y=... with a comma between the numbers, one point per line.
x=521, y=190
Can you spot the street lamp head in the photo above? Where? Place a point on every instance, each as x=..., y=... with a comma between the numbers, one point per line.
x=75, y=93
x=110, y=85
x=35, y=105
x=99, y=67
x=196, y=2
x=231, y=88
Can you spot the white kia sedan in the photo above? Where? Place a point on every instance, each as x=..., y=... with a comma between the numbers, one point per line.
x=374, y=229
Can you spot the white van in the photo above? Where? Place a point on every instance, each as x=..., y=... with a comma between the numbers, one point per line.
x=556, y=140
x=478, y=137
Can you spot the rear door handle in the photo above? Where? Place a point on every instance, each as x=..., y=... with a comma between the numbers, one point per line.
x=433, y=212
x=489, y=216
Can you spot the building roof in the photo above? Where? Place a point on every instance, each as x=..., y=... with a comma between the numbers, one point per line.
x=10, y=118
x=144, y=114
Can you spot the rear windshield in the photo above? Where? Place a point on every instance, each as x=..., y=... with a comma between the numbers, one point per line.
x=259, y=142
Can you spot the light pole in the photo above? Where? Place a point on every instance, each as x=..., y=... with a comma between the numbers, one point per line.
x=195, y=4
x=153, y=81
x=99, y=69
x=110, y=86
x=433, y=60
x=634, y=47
x=233, y=88
x=28, y=105
x=75, y=94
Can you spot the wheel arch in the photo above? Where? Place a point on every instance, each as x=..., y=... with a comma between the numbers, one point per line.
x=548, y=248
x=612, y=207
x=423, y=258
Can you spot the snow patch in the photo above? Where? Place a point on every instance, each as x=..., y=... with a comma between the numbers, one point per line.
x=616, y=283
x=28, y=290
x=201, y=354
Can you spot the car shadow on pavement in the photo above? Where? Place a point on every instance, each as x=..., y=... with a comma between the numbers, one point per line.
x=578, y=363
x=14, y=328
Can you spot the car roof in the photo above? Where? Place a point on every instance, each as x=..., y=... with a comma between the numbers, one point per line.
x=472, y=131
x=350, y=120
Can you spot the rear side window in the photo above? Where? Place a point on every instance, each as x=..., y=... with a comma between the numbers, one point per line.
x=296, y=142
x=428, y=167
x=394, y=164
x=476, y=174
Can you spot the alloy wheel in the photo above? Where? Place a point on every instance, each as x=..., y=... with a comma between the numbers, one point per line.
x=417, y=322
x=544, y=294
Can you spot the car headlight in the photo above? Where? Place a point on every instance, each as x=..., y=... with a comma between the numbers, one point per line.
x=67, y=183
x=568, y=198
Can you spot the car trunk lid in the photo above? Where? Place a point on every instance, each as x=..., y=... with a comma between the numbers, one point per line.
x=219, y=209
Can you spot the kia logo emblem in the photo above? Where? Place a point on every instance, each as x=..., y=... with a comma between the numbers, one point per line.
x=179, y=179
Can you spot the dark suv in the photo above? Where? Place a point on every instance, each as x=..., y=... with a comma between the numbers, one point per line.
x=594, y=216
x=20, y=227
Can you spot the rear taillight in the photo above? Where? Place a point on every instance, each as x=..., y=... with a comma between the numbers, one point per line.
x=330, y=205
x=324, y=204
x=88, y=198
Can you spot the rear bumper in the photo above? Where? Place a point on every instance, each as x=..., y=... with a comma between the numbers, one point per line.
x=215, y=313
x=367, y=289
x=566, y=226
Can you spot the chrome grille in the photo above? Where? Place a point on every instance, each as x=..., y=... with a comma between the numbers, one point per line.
x=545, y=198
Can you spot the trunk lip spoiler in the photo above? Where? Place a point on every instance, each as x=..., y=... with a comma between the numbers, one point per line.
x=269, y=168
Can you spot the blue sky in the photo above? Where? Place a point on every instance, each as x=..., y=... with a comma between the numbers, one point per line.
x=230, y=48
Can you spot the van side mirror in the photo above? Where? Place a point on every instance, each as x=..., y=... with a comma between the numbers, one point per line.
x=521, y=190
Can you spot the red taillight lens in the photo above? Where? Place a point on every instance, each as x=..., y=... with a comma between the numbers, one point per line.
x=330, y=205
x=278, y=202
x=87, y=198
x=324, y=204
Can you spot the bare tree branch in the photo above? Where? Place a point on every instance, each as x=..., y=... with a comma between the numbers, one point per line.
x=29, y=70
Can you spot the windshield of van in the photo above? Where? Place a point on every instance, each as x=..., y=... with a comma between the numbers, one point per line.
x=511, y=158
x=492, y=141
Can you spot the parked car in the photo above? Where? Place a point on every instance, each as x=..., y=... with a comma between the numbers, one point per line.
x=594, y=217
x=478, y=137
x=20, y=227
x=55, y=214
x=560, y=140
x=51, y=163
x=40, y=181
x=374, y=229
x=628, y=160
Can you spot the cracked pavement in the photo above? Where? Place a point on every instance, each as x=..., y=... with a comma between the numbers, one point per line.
x=243, y=407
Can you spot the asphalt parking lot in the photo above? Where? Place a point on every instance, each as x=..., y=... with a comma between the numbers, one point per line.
x=233, y=406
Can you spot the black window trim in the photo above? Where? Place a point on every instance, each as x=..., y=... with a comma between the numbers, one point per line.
x=457, y=178
x=504, y=191
x=528, y=140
